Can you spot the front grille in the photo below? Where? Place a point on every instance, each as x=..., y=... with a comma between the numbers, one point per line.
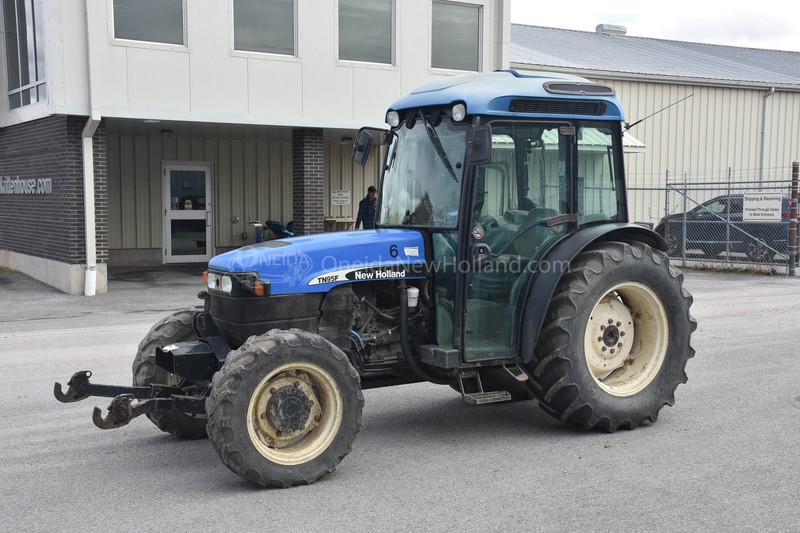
x=556, y=107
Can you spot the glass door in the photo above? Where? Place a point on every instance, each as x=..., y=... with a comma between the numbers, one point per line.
x=187, y=213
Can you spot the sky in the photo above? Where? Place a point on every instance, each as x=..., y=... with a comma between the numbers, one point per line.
x=770, y=25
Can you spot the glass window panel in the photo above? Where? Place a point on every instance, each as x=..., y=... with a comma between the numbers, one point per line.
x=455, y=36
x=264, y=26
x=22, y=44
x=187, y=190
x=597, y=187
x=158, y=21
x=365, y=30
x=12, y=59
x=188, y=237
x=14, y=101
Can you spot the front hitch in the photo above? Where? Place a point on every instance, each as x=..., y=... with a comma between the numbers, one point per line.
x=128, y=402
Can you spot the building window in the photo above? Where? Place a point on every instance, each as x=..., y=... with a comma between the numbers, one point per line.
x=456, y=36
x=366, y=31
x=24, y=52
x=155, y=21
x=264, y=26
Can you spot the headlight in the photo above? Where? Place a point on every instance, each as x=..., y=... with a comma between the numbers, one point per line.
x=393, y=119
x=227, y=284
x=459, y=112
x=212, y=281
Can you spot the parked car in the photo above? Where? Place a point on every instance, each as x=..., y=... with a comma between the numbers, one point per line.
x=716, y=226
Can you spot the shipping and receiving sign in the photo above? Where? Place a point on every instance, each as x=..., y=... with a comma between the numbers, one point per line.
x=762, y=207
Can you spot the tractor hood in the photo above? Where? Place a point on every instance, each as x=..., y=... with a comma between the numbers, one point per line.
x=317, y=263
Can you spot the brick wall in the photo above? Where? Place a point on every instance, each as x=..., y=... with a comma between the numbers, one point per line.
x=51, y=225
x=307, y=181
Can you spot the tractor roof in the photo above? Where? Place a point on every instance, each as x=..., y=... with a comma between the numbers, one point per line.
x=510, y=93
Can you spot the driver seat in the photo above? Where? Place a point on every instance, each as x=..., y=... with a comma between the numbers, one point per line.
x=528, y=239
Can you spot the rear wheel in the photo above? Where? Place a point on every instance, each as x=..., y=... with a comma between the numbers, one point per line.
x=285, y=408
x=615, y=342
x=176, y=327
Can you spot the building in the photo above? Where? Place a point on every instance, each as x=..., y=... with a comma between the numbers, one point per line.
x=727, y=111
x=152, y=131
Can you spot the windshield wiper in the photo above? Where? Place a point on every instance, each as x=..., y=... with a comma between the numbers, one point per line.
x=437, y=145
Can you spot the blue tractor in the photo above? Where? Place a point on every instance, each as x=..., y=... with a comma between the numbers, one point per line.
x=503, y=265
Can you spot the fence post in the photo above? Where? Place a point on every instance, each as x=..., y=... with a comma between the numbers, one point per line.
x=728, y=222
x=793, y=218
x=685, y=207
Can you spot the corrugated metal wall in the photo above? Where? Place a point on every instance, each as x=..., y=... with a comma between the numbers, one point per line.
x=252, y=181
x=717, y=128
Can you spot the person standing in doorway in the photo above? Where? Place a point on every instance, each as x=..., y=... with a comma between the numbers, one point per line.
x=366, y=209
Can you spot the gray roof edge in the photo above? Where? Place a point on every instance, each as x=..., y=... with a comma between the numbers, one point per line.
x=662, y=40
x=658, y=78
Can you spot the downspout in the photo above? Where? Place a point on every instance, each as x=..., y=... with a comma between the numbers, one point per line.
x=764, y=123
x=90, y=278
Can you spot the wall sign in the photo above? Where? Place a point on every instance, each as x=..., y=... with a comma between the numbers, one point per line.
x=761, y=207
x=340, y=197
x=10, y=185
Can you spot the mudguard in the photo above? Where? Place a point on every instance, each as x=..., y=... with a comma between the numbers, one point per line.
x=544, y=283
x=318, y=263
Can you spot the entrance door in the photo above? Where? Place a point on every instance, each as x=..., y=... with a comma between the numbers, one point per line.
x=187, y=213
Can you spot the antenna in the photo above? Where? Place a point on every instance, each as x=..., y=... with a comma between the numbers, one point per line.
x=629, y=126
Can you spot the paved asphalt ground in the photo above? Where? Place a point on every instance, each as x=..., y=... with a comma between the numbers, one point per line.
x=724, y=458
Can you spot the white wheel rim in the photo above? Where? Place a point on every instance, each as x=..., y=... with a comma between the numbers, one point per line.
x=626, y=338
x=304, y=443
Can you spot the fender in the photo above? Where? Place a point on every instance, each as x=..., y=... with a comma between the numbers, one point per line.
x=543, y=283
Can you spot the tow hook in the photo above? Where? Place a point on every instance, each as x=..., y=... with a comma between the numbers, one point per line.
x=120, y=412
x=78, y=388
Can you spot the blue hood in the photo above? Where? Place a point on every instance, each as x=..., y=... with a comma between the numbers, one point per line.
x=317, y=263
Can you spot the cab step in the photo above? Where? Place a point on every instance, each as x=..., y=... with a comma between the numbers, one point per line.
x=481, y=397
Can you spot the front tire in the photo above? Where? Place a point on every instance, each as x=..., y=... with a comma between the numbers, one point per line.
x=285, y=408
x=615, y=342
x=176, y=327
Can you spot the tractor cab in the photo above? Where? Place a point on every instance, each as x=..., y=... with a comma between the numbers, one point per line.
x=495, y=184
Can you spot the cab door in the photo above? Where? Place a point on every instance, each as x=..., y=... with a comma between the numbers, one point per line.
x=525, y=185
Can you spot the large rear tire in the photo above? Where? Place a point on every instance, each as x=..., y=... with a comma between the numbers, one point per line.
x=615, y=342
x=176, y=327
x=285, y=408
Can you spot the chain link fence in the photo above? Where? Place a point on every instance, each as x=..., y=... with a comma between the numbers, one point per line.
x=743, y=221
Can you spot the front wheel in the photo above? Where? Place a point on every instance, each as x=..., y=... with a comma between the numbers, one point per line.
x=285, y=408
x=616, y=337
x=176, y=327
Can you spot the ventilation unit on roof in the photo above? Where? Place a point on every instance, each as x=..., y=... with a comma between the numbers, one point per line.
x=611, y=29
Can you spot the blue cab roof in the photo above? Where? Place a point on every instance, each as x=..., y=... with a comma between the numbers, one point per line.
x=491, y=93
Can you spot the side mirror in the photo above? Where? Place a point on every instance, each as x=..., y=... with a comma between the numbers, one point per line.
x=479, y=147
x=362, y=147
